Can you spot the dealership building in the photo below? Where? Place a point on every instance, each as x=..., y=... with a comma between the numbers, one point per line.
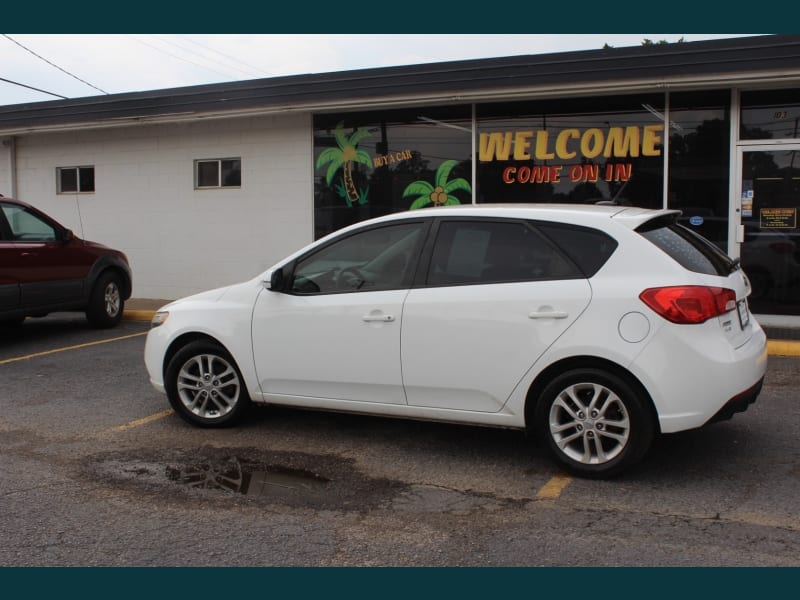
x=208, y=185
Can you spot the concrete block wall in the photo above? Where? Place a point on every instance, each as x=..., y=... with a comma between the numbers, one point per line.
x=180, y=240
x=5, y=166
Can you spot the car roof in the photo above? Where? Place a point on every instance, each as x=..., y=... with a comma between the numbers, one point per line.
x=579, y=214
x=15, y=201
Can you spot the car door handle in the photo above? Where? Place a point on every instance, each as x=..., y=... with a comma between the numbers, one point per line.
x=548, y=314
x=377, y=318
x=29, y=254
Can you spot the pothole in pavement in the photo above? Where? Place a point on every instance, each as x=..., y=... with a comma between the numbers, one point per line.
x=245, y=474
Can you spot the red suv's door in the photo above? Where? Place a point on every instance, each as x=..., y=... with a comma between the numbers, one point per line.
x=48, y=266
x=9, y=283
x=52, y=272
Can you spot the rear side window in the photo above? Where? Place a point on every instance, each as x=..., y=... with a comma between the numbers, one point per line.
x=690, y=250
x=588, y=248
x=494, y=252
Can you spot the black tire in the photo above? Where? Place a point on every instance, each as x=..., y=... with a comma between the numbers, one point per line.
x=594, y=423
x=106, y=302
x=12, y=323
x=205, y=387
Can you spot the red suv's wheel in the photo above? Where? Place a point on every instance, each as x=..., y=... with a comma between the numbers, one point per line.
x=106, y=303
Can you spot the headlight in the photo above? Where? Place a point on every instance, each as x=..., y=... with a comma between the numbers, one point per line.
x=159, y=318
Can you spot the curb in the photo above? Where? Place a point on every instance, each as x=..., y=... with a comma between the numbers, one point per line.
x=774, y=347
x=138, y=315
x=783, y=348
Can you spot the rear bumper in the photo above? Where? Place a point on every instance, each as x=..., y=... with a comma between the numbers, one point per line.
x=739, y=403
x=695, y=377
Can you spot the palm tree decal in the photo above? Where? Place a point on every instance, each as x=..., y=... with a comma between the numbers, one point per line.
x=442, y=193
x=343, y=157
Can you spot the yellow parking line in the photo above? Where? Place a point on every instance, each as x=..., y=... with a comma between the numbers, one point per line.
x=553, y=488
x=142, y=421
x=65, y=349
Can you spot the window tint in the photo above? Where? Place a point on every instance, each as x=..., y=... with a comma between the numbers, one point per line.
x=588, y=248
x=71, y=180
x=377, y=259
x=572, y=150
x=27, y=227
x=372, y=163
x=494, y=252
x=690, y=250
x=217, y=173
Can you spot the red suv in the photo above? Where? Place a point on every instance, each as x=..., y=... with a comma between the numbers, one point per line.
x=45, y=268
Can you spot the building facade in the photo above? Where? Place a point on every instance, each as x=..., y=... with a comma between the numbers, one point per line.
x=208, y=185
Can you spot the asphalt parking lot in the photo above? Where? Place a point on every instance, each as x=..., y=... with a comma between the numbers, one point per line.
x=98, y=470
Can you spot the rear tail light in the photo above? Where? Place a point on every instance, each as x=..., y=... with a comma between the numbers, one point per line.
x=689, y=304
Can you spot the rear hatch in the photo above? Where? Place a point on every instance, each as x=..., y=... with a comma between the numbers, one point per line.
x=718, y=272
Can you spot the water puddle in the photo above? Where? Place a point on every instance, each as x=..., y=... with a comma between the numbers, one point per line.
x=239, y=477
x=247, y=475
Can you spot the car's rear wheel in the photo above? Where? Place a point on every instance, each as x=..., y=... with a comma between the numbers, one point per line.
x=204, y=385
x=595, y=423
x=106, y=304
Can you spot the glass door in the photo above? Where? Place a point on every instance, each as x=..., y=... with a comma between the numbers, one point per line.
x=769, y=230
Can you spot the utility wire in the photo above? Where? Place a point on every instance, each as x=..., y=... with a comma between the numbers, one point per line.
x=157, y=49
x=206, y=58
x=9, y=38
x=32, y=88
x=257, y=69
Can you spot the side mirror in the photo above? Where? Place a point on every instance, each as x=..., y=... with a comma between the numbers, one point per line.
x=276, y=280
x=67, y=236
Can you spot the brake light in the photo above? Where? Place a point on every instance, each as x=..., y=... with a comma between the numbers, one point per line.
x=689, y=304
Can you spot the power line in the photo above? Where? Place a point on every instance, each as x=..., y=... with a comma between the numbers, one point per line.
x=260, y=71
x=203, y=57
x=157, y=49
x=33, y=88
x=9, y=38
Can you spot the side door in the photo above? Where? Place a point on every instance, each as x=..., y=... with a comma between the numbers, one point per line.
x=333, y=330
x=50, y=269
x=496, y=295
x=9, y=279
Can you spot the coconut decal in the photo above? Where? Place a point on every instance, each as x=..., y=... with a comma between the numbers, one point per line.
x=439, y=194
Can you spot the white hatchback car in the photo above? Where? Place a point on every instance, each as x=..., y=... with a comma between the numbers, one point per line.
x=594, y=327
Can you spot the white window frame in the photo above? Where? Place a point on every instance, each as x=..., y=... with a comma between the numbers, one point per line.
x=77, y=170
x=219, y=184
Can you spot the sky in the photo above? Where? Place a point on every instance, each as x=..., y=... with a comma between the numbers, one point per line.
x=79, y=65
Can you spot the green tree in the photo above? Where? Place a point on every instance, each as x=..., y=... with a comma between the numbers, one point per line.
x=648, y=42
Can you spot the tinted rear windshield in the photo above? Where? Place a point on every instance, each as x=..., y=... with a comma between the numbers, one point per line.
x=689, y=249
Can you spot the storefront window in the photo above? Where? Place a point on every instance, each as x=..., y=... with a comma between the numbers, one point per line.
x=375, y=163
x=586, y=150
x=699, y=161
x=770, y=115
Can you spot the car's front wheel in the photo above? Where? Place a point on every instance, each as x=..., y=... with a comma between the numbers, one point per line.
x=106, y=304
x=594, y=422
x=204, y=385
